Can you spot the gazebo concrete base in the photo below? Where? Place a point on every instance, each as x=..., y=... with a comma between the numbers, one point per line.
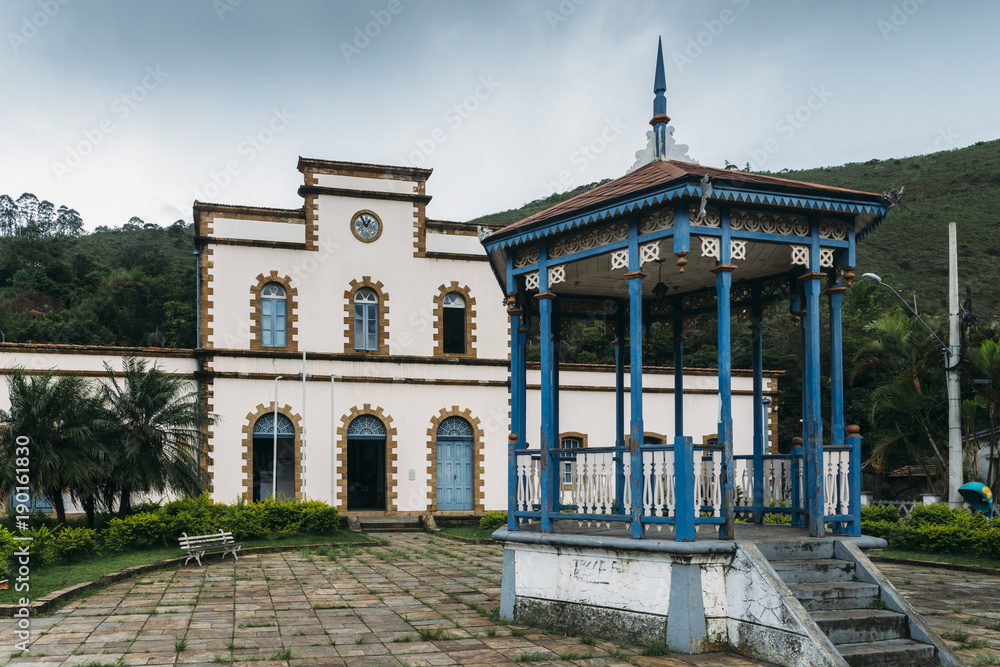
x=696, y=596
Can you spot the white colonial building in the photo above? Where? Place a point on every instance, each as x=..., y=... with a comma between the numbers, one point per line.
x=385, y=337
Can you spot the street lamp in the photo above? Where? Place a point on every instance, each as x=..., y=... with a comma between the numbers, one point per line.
x=274, y=461
x=951, y=360
x=871, y=277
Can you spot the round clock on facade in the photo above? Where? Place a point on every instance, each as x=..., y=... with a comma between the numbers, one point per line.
x=366, y=226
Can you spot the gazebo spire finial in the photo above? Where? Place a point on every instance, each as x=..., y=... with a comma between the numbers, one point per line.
x=660, y=117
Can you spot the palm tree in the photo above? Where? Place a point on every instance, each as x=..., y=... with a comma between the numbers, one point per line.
x=56, y=414
x=152, y=425
x=911, y=410
x=985, y=361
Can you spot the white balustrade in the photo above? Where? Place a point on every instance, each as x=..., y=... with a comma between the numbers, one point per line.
x=658, y=487
x=529, y=490
x=836, y=482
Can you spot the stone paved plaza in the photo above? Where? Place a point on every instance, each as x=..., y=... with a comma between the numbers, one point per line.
x=420, y=600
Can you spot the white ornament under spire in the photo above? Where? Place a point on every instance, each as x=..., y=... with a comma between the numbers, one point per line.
x=671, y=151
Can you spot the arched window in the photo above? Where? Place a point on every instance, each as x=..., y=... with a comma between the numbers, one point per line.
x=366, y=481
x=455, y=478
x=454, y=323
x=569, y=459
x=365, y=319
x=272, y=477
x=273, y=316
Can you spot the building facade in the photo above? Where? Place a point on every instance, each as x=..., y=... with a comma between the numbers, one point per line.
x=355, y=351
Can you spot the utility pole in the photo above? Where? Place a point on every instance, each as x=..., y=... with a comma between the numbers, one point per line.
x=955, y=473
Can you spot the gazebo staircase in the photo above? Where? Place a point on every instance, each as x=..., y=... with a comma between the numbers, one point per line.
x=850, y=609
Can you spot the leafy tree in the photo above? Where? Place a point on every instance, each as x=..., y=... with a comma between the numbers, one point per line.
x=985, y=361
x=57, y=415
x=910, y=411
x=152, y=424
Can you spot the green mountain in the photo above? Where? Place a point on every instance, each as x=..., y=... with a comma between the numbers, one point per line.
x=910, y=249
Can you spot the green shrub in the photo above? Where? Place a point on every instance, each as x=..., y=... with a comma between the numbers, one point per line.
x=73, y=543
x=493, y=519
x=291, y=530
x=873, y=513
x=319, y=518
x=138, y=531
x=243, y=523
x=43, y=545
x=7, y=548
x=877, y=528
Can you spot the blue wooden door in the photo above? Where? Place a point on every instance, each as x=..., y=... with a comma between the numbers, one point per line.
x=454, y=465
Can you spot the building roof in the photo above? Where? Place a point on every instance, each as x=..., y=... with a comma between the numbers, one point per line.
x=662, y=172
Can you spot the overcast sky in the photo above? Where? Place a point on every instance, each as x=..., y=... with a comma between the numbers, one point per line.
x=120, y=108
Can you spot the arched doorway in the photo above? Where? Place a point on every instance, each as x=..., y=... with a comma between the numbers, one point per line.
x=268, y=478
x=366, y=464
x=454, y=464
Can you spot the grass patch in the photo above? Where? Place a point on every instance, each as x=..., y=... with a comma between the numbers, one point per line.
x=431, y=634
x=656, y=648
x=469, y=531
x=531, y=656
x=402, y=639
x=956, y=635
x=954, y=559
x=985, y=660
x=283, y=654
x=45, y=580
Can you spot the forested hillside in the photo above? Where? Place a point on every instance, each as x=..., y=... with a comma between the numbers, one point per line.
x=131, y=286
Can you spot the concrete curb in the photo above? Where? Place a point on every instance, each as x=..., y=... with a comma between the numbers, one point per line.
x=459, y=538
x=53, y=599
x=942, y=566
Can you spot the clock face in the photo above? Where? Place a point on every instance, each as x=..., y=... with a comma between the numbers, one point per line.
x=366, y=226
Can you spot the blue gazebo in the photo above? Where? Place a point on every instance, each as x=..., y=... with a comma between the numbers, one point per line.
x=740, y=242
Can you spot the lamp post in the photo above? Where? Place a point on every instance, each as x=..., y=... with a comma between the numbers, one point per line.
x=952, y=359
x=274, y=428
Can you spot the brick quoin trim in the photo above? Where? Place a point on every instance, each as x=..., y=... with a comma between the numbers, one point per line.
x=382, y=329
x=291, y=312
x=470, y=321
x=391, y=456
x=478, y=458
x=251, y=419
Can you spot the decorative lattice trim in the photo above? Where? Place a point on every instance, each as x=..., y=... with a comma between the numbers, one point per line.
x=832, y=229
x=657, y=220
x=800, y=255
x=710, y=247
x=557, y=274
x=594, y=238
x=649, y=252
x=531, y=280
x=826, y=257
x=526, y=257
x=737, y=249
x=619, y=259
x=712, y=217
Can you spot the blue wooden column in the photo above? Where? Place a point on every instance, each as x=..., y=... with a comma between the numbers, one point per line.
x=516, y=436
x=837, y=426
x=678, y=368
x=549, y=430
x=812, y=398
x=759, y=437
x=635, y=277
x=619, y=457
x=800, y=500
x=723, y=286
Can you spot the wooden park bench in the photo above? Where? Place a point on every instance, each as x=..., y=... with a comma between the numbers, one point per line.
x=198, y=545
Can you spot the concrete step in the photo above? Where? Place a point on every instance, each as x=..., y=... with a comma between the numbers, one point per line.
x=893, y=653
x=835, y=595
x=807, y=549
x=854, y=626
x=814, y=571
x=375, y=524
